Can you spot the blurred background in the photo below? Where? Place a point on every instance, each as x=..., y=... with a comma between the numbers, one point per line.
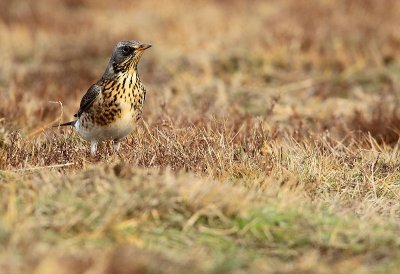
x=269, y=141
x=302, y=64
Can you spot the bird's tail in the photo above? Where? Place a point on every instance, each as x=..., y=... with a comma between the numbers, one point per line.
x=72, y=123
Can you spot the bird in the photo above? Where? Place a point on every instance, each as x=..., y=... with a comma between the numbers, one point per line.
x=112, y=106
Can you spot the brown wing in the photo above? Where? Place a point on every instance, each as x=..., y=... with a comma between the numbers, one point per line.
x=88, y=99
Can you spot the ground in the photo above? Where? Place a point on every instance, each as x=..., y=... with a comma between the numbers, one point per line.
x=269, y=141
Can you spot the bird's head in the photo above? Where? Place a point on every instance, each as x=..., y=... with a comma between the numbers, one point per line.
x=126, y=56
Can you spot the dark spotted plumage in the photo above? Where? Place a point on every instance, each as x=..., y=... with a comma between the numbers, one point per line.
x=111, y=107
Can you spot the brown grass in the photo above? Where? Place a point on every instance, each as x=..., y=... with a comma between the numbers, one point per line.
x=269, y=140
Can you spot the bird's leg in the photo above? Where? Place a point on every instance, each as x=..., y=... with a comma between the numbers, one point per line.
x=93, y=148
x=116, y=145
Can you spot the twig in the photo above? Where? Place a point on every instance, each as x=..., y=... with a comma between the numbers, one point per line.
x=43, y=128
x=291, y=87
x=148, y=131
x=372, y=177
x=43, y=167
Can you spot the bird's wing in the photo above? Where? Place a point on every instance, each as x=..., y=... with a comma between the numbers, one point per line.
x=88, y=99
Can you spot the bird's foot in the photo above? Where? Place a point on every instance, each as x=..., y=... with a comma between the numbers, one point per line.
x=93, y=148
x=116, y=145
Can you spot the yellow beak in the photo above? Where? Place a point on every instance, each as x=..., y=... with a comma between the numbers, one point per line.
x=143, y=47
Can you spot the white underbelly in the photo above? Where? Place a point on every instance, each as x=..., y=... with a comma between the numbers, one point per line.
x=114, y=131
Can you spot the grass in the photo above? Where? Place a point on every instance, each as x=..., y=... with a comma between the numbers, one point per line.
x=269, y=140
x=144, y=210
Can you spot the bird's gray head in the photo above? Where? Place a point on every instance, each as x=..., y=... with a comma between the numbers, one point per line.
x=126, y=56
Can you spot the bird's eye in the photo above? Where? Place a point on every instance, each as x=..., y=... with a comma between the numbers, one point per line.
x=126, y=50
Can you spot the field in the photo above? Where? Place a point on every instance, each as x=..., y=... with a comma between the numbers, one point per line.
x=269, y=141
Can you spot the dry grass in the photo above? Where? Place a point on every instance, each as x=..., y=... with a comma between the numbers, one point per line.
x=269, y=140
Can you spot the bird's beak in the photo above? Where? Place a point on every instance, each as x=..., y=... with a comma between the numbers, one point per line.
x=143, y=47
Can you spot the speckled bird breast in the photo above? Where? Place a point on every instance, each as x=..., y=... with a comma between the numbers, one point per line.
x=115, y=112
